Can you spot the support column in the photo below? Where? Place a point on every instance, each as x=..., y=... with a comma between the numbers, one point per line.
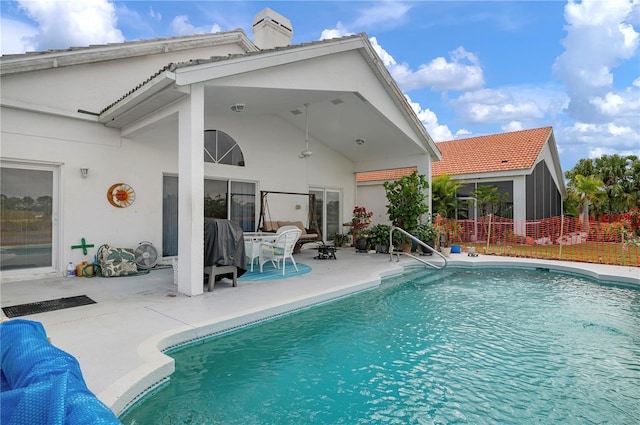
x=191, y=193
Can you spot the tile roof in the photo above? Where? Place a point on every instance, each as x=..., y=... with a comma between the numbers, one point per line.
x=383, y=175
x=516, y=150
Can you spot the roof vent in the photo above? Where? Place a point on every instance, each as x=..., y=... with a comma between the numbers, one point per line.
x=504, y=161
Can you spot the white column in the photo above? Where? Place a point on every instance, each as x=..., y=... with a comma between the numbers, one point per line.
x=520, y=201
x=191, y=193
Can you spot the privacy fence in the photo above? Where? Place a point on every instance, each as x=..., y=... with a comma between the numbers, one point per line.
x=557, y=238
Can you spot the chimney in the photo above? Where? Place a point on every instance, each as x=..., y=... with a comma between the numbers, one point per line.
x=270, y=29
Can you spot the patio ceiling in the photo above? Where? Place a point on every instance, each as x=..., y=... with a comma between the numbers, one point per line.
x=337, y=119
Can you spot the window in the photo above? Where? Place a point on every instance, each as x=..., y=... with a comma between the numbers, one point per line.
x=225, y=199
x=220, y=148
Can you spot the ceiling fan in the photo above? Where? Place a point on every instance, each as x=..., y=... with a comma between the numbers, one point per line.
x=306, y=153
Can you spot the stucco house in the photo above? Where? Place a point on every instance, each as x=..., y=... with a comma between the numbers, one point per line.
x=185, y=123
x=524, y=165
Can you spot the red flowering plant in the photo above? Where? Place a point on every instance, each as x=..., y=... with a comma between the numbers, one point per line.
x=360, y=221
x=631, y=227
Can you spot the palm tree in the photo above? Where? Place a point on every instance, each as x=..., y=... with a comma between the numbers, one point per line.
x=589, y=188
x=613, y=170
x=443, y=193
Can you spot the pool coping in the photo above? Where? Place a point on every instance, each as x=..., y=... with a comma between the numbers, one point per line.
x=158, y=366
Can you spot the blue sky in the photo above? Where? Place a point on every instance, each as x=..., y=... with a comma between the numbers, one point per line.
x=468, y=68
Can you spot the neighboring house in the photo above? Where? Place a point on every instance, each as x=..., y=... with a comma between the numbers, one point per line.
x=190, y=123
x=523, y=164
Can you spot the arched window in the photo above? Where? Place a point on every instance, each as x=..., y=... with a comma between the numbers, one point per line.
x=220, y=148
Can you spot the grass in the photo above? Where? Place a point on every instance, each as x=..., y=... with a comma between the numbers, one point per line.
x=590, y=252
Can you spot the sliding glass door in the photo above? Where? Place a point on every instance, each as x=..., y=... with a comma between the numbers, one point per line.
x=328, y=209
x=27, y=216
x=226, y=199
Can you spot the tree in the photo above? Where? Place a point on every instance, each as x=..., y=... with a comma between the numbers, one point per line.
x=490, y=201
x=613, y=172
x=589, y=188
x=406, y=198
x=620, y=177
x=443, y=195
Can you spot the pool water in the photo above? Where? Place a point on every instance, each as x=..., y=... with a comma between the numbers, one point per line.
x=434, y=347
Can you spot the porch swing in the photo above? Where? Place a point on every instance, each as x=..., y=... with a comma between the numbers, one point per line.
x=310, y=233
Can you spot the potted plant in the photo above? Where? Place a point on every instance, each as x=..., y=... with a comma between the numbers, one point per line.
x=339, y=239
x=427, y=234
x=360, y=221
x=379, y=237
x=448, y=231
x=406, y=201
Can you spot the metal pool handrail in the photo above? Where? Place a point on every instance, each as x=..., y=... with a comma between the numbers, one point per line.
x=425, y=262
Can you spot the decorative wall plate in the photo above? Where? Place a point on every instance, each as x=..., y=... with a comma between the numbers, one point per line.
x=121, y=195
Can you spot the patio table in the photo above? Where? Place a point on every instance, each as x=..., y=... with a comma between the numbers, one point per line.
x=252, y=242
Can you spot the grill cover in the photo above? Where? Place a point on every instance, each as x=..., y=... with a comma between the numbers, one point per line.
x=224, y=244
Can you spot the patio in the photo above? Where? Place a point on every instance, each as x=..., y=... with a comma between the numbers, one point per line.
x=117, y=339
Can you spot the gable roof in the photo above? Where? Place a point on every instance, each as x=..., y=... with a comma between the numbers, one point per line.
x=165, y=86
x=516, y=150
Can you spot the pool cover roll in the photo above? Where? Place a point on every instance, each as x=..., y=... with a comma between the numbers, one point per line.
x=42, y=384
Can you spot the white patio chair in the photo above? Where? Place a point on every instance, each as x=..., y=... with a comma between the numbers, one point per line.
x=281, y=249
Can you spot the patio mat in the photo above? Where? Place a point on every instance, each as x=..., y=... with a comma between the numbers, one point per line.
x=270, y=273
x=44, y=306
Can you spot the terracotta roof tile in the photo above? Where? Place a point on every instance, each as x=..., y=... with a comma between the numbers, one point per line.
x=516, y=150
x=383, y=175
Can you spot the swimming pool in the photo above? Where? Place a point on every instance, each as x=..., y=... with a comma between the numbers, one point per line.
x=454, y=346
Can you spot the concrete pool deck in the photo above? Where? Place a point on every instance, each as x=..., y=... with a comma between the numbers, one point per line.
x=118, y=340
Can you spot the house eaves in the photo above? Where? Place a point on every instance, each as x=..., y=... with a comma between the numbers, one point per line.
x=153, y=94
x=201, y=70
x=37, y=61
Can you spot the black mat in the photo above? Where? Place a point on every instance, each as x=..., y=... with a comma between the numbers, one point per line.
x=44, y=306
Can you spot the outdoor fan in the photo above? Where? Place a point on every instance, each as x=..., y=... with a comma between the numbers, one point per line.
x=306, y=153
x=146, y=255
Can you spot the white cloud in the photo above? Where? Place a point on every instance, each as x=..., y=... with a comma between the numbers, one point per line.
x=16, y=37
x=437, y=131
x=462, y=72
x=618, y=105
x=488, y=106
x=599, y=37
x=606, y=137
x=154, y=14
x=63, y=24
x=512, y=126
x=339, y=31
x=383, y=14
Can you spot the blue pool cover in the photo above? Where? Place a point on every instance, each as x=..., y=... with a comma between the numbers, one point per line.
x=42, y=384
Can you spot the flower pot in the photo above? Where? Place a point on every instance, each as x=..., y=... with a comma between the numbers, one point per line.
x=382, y=249
x=456, y=249
x=445, y=250
x=361, y=244
x=427, y=251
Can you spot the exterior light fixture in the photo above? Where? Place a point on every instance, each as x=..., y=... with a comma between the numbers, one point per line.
x=84, y=171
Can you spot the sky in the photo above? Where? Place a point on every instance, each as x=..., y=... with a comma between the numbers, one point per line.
x=467, y=68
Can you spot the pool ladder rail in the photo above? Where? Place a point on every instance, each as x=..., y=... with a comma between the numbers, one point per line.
x=418, y=241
